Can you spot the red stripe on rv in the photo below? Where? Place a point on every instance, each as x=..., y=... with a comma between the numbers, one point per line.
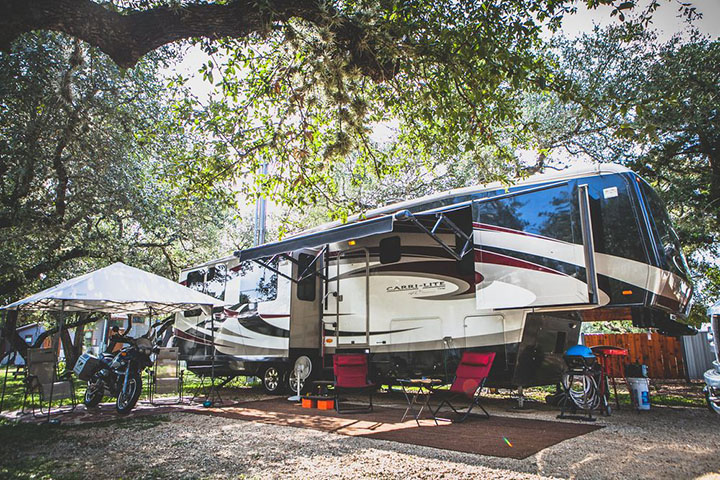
x=482, y=256
x=186, y=336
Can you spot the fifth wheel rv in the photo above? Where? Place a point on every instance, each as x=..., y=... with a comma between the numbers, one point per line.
x=414, y=284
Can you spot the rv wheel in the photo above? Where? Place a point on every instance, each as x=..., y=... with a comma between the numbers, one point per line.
x=273, y=380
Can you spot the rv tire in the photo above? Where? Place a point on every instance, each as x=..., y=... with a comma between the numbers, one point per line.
x=273, y=380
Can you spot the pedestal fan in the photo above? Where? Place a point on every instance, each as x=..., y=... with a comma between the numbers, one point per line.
x=300, y=373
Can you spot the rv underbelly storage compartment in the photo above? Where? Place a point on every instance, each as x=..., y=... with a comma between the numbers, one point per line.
x=85, y=366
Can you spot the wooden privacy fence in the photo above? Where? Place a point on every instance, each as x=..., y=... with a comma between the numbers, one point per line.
x=662, y=355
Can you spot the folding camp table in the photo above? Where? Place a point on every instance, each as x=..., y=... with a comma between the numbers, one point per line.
x=420, y=389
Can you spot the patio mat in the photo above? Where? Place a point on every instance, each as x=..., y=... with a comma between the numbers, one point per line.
x=475, y=435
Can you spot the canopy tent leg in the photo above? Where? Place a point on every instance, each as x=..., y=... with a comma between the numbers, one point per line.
x=2, y=398
x=213, y=395
x=55, y=347
x=7, y=355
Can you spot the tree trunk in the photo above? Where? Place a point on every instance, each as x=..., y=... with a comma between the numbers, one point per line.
x=12, y=340
x=127, y=35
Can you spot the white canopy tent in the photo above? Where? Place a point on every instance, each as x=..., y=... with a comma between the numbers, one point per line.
x=118, y=288
x=715, y=309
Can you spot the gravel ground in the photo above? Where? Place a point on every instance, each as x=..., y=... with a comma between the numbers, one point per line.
x=662, y=443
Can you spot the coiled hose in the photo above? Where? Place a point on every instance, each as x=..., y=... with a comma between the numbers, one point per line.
x=583, y=390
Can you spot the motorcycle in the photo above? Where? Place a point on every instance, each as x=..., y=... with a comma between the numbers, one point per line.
x=712, y=376
x=117, y=374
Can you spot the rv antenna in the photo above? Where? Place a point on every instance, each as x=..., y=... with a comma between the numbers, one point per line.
x=302, y=370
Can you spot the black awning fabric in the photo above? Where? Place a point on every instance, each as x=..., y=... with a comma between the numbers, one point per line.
x=342, y=233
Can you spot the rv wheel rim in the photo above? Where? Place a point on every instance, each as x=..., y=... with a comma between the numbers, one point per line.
x=271, y=378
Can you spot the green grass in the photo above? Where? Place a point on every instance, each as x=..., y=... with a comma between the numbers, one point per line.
x=691, y=395
x=15, y=388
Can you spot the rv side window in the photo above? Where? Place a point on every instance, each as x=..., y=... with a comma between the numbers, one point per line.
x=545, y=212
x=257, y=283
x=306, y=286
x=196, y=280
x=390, y=251
x=215, y=284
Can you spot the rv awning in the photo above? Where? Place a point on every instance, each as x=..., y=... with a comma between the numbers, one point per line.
x=366, y=228
x=342, y=233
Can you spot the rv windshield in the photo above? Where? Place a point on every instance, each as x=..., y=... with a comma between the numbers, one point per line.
x=666, y=238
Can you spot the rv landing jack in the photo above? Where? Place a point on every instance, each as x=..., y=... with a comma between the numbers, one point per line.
x=520, y=399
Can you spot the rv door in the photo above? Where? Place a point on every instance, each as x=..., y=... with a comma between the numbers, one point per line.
x=534, y=248
x=349, y=300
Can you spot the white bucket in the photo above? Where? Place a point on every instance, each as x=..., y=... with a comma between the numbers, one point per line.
x=640, y=392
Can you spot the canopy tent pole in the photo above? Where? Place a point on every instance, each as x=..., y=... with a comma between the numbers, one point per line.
x=7, y=364
x=55, y=347
x=213, y=394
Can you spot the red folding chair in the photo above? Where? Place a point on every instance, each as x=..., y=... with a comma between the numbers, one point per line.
x=351, y=375
x=470, y=378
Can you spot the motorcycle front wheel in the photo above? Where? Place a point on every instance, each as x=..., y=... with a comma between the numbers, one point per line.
x=128, y=397
x=711, y=396
x=94, y=392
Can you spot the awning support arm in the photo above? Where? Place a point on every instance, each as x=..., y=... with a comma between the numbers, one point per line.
x=441, y=218
x=305, y=273
x=273, y=269
x=459, y=232
x=302, y=276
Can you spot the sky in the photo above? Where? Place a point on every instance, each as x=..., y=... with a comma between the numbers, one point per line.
x=665, y=20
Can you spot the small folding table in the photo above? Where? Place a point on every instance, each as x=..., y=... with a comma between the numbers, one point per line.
x=418, y=391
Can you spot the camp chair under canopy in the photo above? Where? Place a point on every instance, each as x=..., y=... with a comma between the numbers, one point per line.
x=165, y=376
x=470, y=377
x=351, y=375
x=43, y=382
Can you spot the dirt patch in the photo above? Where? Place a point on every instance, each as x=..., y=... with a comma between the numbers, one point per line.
x=663, y=443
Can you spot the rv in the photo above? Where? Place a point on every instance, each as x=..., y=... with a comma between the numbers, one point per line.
x=513, y=270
